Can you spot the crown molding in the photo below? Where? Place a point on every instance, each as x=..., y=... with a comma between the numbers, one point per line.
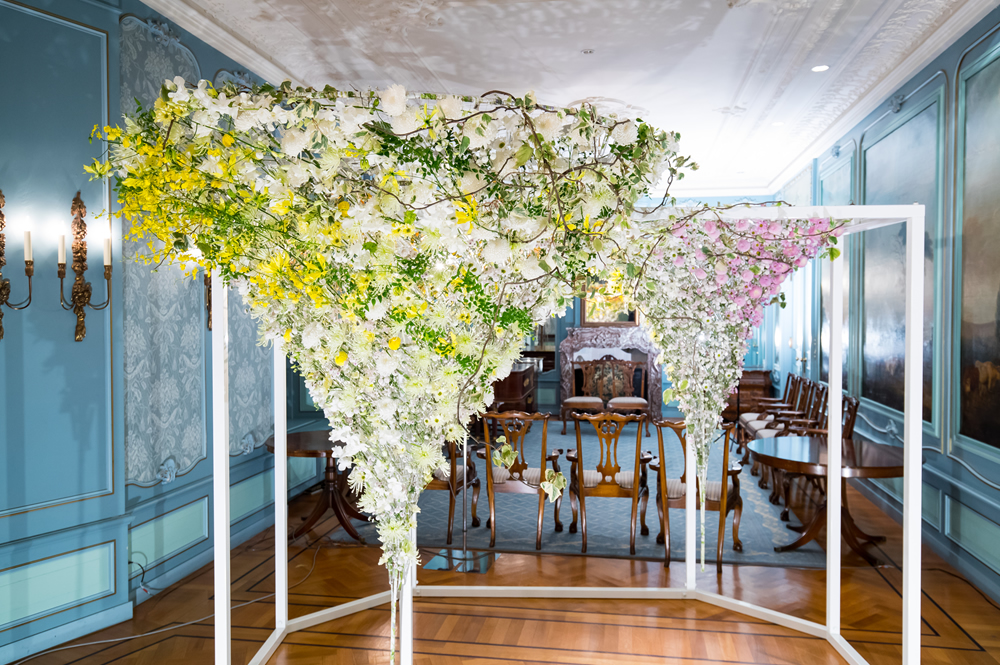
x=202, y=25
x=964, y=19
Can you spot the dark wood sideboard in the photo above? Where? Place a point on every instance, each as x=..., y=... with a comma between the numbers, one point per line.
x=754, y=384
x=517, y=391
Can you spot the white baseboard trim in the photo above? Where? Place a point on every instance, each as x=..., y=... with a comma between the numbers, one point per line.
x=39, y=642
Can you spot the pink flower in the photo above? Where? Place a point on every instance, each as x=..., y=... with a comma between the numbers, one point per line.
x=839, y=231
x=801, y=261
x=743, y=245
x=740, y=301
x=712, y=229
x=774, y=228
x=747, y=276
x=720, y=278
x=699, y=273
x=678, y=261
x=698, y=254
x=742, y=225
x=756, y=292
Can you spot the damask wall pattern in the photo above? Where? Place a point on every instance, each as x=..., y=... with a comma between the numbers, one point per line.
x=251, y=375
x=165, y=336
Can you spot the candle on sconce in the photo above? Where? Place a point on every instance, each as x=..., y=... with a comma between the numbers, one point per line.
x=62, y=249
x=27, y=246
x=107, y=251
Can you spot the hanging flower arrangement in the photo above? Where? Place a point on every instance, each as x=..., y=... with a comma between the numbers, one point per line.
x=403, y=245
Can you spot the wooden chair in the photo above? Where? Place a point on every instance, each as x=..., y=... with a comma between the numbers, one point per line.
x=777, y=416
x=618, y=388
x=788, y=400
x=849, y=415
x=520, y=478
x=451, y=477
x=587, y=401
x=608, y=480
x=722, y=496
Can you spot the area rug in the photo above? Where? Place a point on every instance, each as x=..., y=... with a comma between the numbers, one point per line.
x=761, y=528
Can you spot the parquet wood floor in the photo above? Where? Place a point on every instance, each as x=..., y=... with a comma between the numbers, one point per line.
x=960, y=626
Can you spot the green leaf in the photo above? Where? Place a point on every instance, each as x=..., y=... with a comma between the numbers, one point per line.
x=668, y=395
x=834, y=253
x=523, y=155
x=465, y=144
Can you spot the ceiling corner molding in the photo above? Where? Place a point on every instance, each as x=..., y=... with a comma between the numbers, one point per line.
x=963, y=20
x=203, y=26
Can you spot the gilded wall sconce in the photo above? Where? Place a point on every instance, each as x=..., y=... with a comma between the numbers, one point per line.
x=81, y=292
x=29, y=267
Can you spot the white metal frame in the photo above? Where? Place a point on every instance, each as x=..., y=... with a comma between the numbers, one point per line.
x=863, y=218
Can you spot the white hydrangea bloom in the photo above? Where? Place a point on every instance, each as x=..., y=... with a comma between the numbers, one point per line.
x=393, y=100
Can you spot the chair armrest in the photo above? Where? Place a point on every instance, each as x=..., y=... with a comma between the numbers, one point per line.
x=554, y=455
x=481, y=453
x=735, y=471
x=571, y=455
x=645, y=457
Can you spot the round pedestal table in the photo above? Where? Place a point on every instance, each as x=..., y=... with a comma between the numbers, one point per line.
x=806, y=456
x=333, y=495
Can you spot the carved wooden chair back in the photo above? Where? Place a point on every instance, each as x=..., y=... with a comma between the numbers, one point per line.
x=521, y=477
x=608, y=480
x=851, y=405
x=514, y=427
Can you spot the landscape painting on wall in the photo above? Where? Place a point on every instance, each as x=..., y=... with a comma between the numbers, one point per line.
x=979, y=361
x=900, y=168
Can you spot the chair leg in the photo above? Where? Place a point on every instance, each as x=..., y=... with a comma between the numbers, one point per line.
x=555, y=514
x=493, y=519
x=718, y=545
x=737, y=513
x=664, y=528
x=583, y=522
x=763, y=471
x=562, y=414
x=451, y=514
x=541, y=516
x=787, y=488
x=642, y=515
x=631, y=524
x=475, y=501
x=572, y=502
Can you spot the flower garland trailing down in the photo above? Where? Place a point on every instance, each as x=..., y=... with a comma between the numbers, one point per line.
x=403, y=246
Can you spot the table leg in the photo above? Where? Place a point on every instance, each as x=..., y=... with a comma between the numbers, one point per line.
x=322, y=504
x=332, y=488
x=809, y=532
x=849, y=522
x=846, y=524
x=340, y=496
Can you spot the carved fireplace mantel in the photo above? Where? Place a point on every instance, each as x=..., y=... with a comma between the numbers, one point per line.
x=612, y=337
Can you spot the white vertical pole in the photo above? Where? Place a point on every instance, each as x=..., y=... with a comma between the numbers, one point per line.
x=913, y=435
x=280, y=489
x=220, y=467
x=690, y=517
x=833, y=446
x=406, y=610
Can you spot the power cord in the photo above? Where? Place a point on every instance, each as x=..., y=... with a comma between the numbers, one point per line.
x=180, y=625
x=142, y=580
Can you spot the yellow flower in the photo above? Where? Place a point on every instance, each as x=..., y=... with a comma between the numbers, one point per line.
x=394, y=343
x=341, y=358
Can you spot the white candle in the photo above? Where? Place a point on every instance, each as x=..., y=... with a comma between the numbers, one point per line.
x=62, y=249
x=27, y=246
x=107, y=251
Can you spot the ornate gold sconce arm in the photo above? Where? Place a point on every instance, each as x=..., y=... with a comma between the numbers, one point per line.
x=29, y=270
x=81, y=291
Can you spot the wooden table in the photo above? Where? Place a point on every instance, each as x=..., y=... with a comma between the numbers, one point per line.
x=807, y=456
x=318, y=444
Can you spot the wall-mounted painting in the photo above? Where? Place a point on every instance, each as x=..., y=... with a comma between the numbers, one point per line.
x=979, y=359
x=607, y=311
x=900, y=168
x=835, y=187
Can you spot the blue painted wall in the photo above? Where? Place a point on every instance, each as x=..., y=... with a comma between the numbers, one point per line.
x=917, y=153
x=78, y=494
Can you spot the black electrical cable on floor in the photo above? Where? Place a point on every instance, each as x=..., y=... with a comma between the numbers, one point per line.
x=169, y=628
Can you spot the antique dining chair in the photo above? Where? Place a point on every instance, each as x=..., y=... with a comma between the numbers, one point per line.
x=722, y=496
x=618, y=388
x=788, y=400
x=587, y=400
x=520, y=478
x=849, y=415
x=451, y=478
x=608, y=479
x=777, y=417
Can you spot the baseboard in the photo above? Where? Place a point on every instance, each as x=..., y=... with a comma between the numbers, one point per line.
x=964, y=563
x=203, y=558
x=64, y=633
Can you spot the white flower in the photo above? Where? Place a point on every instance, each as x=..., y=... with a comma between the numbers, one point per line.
x=407, y=121
x=625, y=133
x=393, y=100
x=377, y=310
x=294, y=141
x=297, y=176
x=179, y=86
x=530, y=268
x=497, y=251
x=471, y=183
x=312, y=335
x=479, y=132
x=451, y=107
x=549, y=125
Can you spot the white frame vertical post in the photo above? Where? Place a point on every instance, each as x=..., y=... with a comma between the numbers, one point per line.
x=220, y=468
x=280, y=489
x=690, y=527
x=863, y=218
x=913, y=429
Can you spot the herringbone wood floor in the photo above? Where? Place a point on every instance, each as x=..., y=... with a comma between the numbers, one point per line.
x=960, y=626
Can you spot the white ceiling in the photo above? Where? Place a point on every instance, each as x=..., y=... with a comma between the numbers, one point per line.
x=736, y=82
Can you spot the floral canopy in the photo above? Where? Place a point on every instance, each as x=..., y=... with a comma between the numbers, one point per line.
x=404, y=245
